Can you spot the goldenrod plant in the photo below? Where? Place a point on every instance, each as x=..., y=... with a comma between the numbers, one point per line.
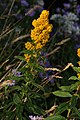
x=39, y=35
x=39, y=60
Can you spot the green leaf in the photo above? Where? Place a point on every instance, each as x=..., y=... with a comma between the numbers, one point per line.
x=18, y=88
x=77, y=111
x=61, y=108
x=16, y=99
x=37, y=67
x=62, y=94
x=38, y=110
x=26, y=52
x=58, y=117
x=73, y=101
x=11, y=115
x=65, y=88
x=74, y=86
x=17, y=78
x=38, y=86
x=77, y=69
x=20, y=58
x=19, y=110
x=73, y=78
x=40, y=69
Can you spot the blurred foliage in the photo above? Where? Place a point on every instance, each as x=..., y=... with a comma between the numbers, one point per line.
x=56, y=94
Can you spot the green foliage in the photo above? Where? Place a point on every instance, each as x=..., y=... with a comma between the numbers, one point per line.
x=61, y=108
x=62, y=94
x=77, y=69
x=31, y=94
x=73, y=78
x=58, y=117
x=71, y=104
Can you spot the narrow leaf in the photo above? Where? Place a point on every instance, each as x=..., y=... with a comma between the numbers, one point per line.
x=77, y=111
x=16, y=99
x=61, y=108
x=65, y=88
x=77, y=69
x=62, y=94
x=73, y=78
x=20, y=58
x=58, y=117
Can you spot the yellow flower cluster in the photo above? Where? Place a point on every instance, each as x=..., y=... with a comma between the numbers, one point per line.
x=40, y=33
x=78, y=74
x=27, y=57
x=78, y=63
x=42, y=29
x=29, y=46
x=78, y=54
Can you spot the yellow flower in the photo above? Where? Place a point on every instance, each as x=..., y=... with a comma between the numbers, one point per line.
x=44, y=14
x=34, y=23
x=44, y=41
x=43, y=22
x=40, y=34
x=27, y=57
x=42, y=28
x=78, y=63
x=49, y=28
x=33, y=48
x=78, y=74
x=35, y=33
x=78, y=52
x=28, y=45
x=34, y=55
x=45, y=32
x=38, y=46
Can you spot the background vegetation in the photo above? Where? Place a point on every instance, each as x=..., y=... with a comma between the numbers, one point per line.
x=48, y=87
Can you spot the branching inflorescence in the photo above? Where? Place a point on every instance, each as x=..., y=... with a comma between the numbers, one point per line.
x=39, y=35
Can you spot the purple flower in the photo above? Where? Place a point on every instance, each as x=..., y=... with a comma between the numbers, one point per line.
x=18, y=16
x=77, y=46
x=47, y=63
x=64, y=12
x=41, y=63
x=16, y=73
x=78, y=9
x=52, y=81
x=24, y=3
x=66, y=5
x=41, y=75
x=58, y=10
x=12, y=83
x=31, y=14
x=43, y=53
x=33, y=10
x=35, y=117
